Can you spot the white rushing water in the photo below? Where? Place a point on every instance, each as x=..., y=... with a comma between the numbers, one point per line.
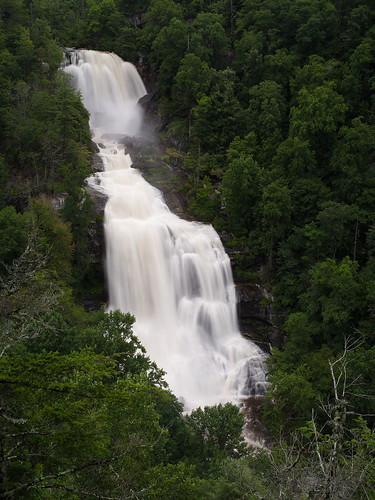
x=172, y=275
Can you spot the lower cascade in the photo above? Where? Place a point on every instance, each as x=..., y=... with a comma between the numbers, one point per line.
x=172, y=275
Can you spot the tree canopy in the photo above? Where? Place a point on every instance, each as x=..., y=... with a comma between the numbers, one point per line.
x=271, y=106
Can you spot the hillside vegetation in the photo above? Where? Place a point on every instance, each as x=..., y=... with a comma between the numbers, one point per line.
x=271, y=105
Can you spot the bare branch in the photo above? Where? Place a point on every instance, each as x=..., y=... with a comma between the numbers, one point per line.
x=37, y=482
x=134, y=494
x=316, y=443
x=80, y=492
x=26, y=293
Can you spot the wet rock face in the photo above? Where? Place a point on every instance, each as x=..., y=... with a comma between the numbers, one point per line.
x=257, y=317
x=96, y=231
x=255, y=432
x=254, y=302
x=160, y=165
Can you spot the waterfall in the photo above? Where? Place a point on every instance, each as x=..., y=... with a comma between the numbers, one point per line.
x=172, y=275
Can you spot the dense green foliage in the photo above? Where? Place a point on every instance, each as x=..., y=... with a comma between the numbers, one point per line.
x=272, y=105
x=274, y=109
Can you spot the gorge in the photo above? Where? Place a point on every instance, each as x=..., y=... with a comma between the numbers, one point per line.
x=172, y=275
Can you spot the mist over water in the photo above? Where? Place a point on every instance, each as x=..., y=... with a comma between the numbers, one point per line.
x=110, y=90
x=172, y=275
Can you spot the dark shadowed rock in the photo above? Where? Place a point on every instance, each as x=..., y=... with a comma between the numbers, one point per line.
x=257, y=317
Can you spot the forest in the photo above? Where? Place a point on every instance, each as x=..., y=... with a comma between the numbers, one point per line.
x=269, y=106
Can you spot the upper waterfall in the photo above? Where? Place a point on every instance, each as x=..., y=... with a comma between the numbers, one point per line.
x=111, y=89
x=172, y=275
